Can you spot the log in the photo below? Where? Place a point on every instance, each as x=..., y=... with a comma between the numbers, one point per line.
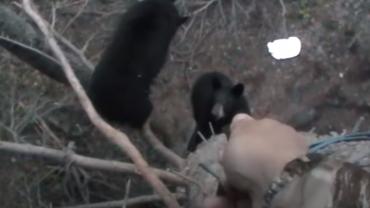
x=205, y=170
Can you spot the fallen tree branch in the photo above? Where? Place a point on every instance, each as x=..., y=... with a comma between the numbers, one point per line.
x=19, y=38
x=83, y=161
x=87, y=64
x=130, y=202
x=48, y=65
x=36, y=58
x=161, y=149
x=207, y=154
x=111, y=133
x=127, y=193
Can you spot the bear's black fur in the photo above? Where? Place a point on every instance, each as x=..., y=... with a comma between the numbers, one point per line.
x=215, y=100
x=120, y=84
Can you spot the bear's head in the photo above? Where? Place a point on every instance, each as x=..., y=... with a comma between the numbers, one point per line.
x=228, y=101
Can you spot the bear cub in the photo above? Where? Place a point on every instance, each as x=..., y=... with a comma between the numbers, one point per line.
x=120, y=84
x=215, y=100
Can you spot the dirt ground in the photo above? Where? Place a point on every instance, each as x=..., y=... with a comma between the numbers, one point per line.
x=324, y=89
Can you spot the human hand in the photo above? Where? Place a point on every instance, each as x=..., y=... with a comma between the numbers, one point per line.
x=255, y=154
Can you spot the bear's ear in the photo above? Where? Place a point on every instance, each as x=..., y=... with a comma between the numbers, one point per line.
x=216, y=83
x=237, y=90
x=182, y=20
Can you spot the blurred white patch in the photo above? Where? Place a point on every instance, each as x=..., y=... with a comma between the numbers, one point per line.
x=285, y=48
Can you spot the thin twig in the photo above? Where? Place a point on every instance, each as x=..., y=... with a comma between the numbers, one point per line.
x=283, y=14
x=73, y=19
x=200, y=134
x=87, y=42
x=127, y=193
x=204, y=7
x=353, y=40
x=358, y=124
x=53, y=15
x=83, y=161
x=74, y=49
x=187, y=28
x=112, y=134
x=211, y=128
x=233, y=20
x=45, y=128
x=67, y=43
x=168, y=154
x=247, y=12
x=222, y=12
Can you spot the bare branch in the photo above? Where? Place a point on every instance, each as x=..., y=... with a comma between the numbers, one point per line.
x=204, y=7
x=88, y=41
x=73, y=19
x=127, y=193
x=66, y=42
x=45, y=128
x=160, y=148
x=53, y=15
x=111, y=133
x=36, y=58
x=283, y=14
x=75, y=50
x=130, y=202
x=358, y=124
x=83, y=161
x=23, y=41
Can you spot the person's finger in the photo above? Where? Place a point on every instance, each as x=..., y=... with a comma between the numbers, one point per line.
x=240, y=118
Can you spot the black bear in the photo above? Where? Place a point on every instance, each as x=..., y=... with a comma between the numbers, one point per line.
x=120, y=84
x=215, y=100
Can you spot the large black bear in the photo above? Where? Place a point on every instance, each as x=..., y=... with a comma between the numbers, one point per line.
x=120, y=84
x=215, y=101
